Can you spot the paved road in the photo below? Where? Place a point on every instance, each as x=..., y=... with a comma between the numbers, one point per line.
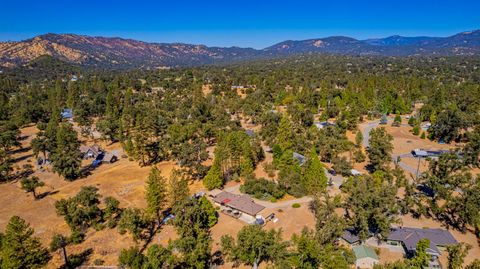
x=366, y=132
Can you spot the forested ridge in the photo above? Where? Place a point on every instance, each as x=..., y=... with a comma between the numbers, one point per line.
x=178, y=114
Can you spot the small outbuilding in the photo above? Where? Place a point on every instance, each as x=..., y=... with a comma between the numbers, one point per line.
x=365, y=257
x=109, y=158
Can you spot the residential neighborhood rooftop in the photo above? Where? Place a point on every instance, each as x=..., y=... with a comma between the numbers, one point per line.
x=241, y=203
x=410, y=237
x=363, y=251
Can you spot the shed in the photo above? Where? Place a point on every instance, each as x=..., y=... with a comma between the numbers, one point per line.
x=109, y=158
x=365, y=257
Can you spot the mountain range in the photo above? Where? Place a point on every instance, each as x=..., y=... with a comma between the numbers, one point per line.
x=120, y=53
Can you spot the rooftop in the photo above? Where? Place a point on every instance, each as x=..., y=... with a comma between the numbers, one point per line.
x=410, y=237
x=241, y=203
x=364, y=252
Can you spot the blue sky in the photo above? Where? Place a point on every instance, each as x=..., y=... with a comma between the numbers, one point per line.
x=242, y=23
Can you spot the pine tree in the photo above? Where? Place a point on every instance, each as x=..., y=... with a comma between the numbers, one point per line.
x=315, y=179
x=66, y=157
x=285, y=135
x=20, y=249
x=214, y=178
x=380, y=148
x=156, y=193
x=178, y=187
x=60, y=242
x=358, y=139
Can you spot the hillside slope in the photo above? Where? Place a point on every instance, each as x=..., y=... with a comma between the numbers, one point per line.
x=118, y=53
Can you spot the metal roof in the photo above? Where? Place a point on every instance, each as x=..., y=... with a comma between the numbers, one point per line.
x=364, y=252
x=241, y=203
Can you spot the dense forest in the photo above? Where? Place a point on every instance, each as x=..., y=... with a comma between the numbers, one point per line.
x=177, y=114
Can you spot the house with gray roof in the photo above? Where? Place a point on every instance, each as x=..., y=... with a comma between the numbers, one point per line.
x=237, y=205
x=90, y=151
x=409, y=237
x=350, y=237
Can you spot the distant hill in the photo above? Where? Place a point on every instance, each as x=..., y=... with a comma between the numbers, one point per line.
x=119, y=53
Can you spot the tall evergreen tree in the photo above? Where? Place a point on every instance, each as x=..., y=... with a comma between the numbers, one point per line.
x=380, y=148
x=314, y=179
x=178, y=187
x=20, y=249
x=66, y=157
x=156, y=193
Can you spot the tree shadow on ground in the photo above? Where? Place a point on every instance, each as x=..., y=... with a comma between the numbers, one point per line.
x=76, y=260
x=45, y=194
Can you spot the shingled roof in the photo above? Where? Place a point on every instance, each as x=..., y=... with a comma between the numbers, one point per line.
x=410, y=237
x=241, y=203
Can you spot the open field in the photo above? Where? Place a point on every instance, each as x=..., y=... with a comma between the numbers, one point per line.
x=123, y=180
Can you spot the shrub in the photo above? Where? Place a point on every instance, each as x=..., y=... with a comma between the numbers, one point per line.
x=397, y=119
x=422, y=136
x=416, y=130
x=262, y=189
x=296, y=205
x=411, y=121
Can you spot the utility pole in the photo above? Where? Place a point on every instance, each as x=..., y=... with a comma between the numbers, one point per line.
x=418, y=168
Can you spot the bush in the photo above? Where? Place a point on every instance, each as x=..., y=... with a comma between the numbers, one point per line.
x=262, y=189
x=397, y=119
x=416, y=130
x=411, y=121
x=422, y=136
x=296, y=205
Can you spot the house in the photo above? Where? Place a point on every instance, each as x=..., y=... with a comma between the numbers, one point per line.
x=238, y=206
x=365, y=257
x=109, y=158
x=355, y=172
x=67, y=113
x=300, y=158
x=422, y=153
x=350, y=237
x=90, y=151
x=323, y=124
x=409, y=237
